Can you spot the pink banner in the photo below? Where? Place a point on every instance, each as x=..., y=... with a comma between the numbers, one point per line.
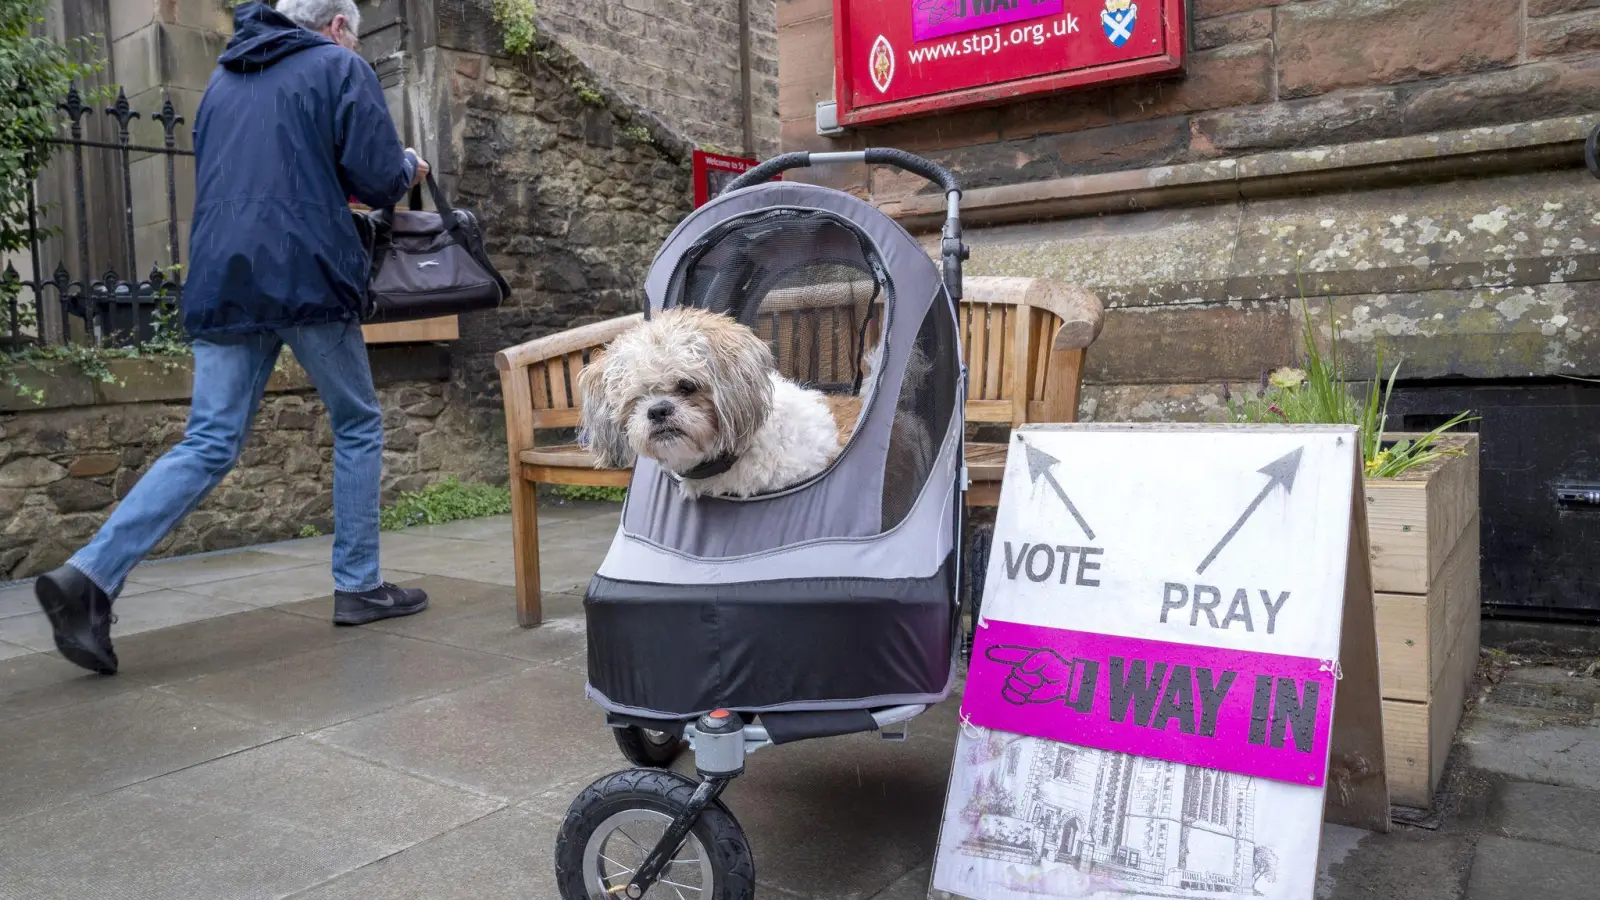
x=937, y=18
x=1258, y=714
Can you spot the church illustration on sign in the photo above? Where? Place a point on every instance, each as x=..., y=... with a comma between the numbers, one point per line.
x=1142, y=827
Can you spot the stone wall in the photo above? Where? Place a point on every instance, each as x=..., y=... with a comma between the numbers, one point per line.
x=680, y=60
x=1262, y=75
x=64, y=467
x=1420, y=198
x=576, y=187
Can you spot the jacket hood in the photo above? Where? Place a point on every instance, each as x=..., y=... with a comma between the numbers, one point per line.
x=263, y=36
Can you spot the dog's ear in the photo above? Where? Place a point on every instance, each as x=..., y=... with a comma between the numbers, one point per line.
x=600, y=431
x=741, y=367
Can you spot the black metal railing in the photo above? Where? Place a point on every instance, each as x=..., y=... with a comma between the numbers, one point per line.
x=70, y=305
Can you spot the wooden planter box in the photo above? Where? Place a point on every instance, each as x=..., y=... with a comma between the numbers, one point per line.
x=1423, y=534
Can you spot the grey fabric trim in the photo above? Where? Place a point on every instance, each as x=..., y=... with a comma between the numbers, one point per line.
x=917, y=547
x=882, y=702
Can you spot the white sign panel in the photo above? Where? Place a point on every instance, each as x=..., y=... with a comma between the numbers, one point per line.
x=1149, y=708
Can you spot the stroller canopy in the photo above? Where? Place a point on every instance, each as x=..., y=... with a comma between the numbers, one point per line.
x=836, y=593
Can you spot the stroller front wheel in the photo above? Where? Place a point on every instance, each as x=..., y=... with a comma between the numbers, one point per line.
x=648, y=749
x=613, y=825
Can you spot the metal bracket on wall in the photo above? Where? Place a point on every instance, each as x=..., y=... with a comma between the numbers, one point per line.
x=828, y=119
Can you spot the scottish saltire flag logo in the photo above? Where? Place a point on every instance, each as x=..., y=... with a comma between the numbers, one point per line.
x=1118, y=19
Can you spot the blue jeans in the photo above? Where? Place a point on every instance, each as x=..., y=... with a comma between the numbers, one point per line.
x=230, y=375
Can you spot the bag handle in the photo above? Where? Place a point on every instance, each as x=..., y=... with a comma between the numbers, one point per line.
x=441, y=203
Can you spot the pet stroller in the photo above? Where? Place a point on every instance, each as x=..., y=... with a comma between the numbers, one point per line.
x=824, y=608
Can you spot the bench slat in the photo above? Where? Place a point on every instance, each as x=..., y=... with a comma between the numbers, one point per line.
x=993, y=380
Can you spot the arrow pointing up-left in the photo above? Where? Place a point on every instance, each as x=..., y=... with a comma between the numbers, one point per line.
x=1039, y=465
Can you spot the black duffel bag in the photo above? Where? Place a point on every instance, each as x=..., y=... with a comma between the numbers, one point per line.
x=427, y=264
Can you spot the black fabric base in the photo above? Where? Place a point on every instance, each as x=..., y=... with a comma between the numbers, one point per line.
x=679, y=651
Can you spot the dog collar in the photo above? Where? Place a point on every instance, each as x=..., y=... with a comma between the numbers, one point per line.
x=712, y=467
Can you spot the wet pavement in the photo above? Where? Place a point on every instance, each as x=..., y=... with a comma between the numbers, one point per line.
x=249, y=749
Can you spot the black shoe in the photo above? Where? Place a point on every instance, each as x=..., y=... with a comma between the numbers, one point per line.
x=80, y=615
x=386, y=601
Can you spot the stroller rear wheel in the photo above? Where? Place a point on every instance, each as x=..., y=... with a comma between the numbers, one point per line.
x=648, y=749
x=614, y=824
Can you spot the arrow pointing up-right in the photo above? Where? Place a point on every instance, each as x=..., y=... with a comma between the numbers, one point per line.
x=1283, y=469
x=1280, y=471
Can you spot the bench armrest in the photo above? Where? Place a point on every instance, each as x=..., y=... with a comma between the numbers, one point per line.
x=553, y=346
x=1081, y=312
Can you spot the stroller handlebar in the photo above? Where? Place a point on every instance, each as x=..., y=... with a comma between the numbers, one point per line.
x=952, y=250
x=882, y=156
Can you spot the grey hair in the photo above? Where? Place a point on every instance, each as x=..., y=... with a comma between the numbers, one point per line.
x=315, y=15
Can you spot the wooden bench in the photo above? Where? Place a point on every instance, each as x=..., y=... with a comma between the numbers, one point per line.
x=1024, y=339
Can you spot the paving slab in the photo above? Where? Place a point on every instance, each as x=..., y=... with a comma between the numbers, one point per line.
x=1539, y=724
x=10, y=651
x=913, y=885
x=185, y=571
x=844, y=818
x=312, y=549
x=1566, y=817
x=40, y=682
x=502, y=856
x=260, y=824
x=1507, y=869
x=318, y=688
x=511, y=738
x=488, y=528
x=16, y=599
x=484, y=617
x=79, y=751
x=1338, y=842
x=1406, y=864
x=446, y=597
x=223, y=644
x=283, y=586
x=144, y=612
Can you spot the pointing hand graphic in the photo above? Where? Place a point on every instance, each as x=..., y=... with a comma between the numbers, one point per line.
x=1037, y=676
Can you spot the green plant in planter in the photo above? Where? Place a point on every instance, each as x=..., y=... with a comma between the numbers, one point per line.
x=1320, y=394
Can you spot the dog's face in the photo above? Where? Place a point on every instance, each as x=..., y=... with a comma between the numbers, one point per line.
x=683, y=388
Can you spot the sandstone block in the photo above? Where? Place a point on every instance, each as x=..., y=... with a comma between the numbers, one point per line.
x=1330, y=44
x=30, y=471
x=1192, y=343
x=1564, y=34
x=1335, y=119
x=1544, y=89
x=72, y=495
x=426, y=409
x=1234, y=29
x=1538, y=8
x=1205, y=9
x=124, y=482
x=90, y=466
x=300, y=460
x=400, y=439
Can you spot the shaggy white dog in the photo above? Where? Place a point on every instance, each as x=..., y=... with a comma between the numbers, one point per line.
x=699, y=393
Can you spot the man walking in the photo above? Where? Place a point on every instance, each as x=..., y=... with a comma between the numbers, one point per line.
x=292, y=124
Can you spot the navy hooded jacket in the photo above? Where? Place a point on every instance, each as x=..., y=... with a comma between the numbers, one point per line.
x=291, y=126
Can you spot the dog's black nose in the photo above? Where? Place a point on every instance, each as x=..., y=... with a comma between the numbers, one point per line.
x=660, y=411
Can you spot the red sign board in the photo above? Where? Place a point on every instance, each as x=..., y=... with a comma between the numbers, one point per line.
x=900, y=58
x=713, y=172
